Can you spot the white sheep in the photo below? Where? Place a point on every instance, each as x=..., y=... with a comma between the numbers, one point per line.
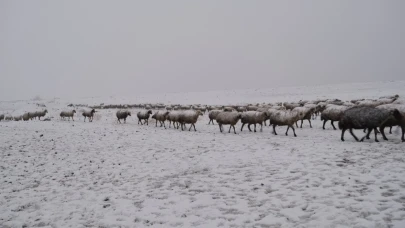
x=174, y=117
x=68, y=114
x=144, y=115
x=253, y=117
x=228, y=118
x=307, y=112
x=212, y=115
x=1, y=117
x=17, y=118
x=285, y=118
x=160, y=116
x=89, y=114
x=40, y=114
x=189, y=117
x=333, y=113
x=122, y=114
x=393, y=122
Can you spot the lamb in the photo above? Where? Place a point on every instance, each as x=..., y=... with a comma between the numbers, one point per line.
x=253, y=117
x=160, y=116
x=285, y=118
x=307, y=115
x=212, y=115
x=89, y=115
x=333, y=113
x=189, y=117
x=144, y=115
x=68, y=114
x=393, y=122
x=225, y=118
x=40, y=114
x=366, y=117
x=123, y=114
x=1, y=117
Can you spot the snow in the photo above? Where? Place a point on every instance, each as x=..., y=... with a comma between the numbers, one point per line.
x=106, y=174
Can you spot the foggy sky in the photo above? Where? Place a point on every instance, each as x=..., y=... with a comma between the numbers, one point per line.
x=86, y=48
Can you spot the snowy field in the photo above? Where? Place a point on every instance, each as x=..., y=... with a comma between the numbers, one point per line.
x=104, y=174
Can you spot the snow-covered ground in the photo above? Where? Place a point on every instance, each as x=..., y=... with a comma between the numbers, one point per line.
x=104, y=174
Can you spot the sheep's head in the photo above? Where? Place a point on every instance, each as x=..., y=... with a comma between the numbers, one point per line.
x=74, y=111
x=93, y=111
x=200, y=113
x=154, y=116
x=45, y=111
x=397, y=115
x=129, y=113
x=149, y=112
x=166, y=114
x=239, y=116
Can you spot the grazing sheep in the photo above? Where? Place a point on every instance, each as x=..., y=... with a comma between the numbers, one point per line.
x=212, y=115
x=393, y=122
x=89, y=114
x=332, y=113
x=40, y=114
x=366, y=117
x=189, y=117
x=173, y=117
x=123, y=114
x=253, y=117
x=144, y=115
x=285, y=118
x=1, y=117
x=228, y=118
x=17, y=118
x=8, y=118
x=68, y=114
x=160, y=116
x=307, y=115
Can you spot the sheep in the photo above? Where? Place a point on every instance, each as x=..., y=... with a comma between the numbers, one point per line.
x=307, y=115
x=291, y=106
x=17, y=118
x=144, y=115
x=8, y=118
x=332, y=113
x=287, y=117
x=189, y=117
x=228, y=109
x=366, y=117
x=160, y=116
x=225, y=118
x=68, y=114
x=253, y=117
x=393, y=122
x=212, y=115
x=89, y=114
x=251, y=108
x=122, y=114
x=40, y=114
x=241, y=109
x=173, y=116
x=26, y=116
x=1, y=117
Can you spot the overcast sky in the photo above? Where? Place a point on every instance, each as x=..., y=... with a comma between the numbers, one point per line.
x=85, y=48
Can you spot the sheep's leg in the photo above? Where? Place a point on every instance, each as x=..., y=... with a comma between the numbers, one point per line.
x=265, y=123
x=255, y=127
x=84, y=119
x=164, y=125
x=288, y=128
x=310, y=124
x=72, y=118
x=367, y=136
x=296, y=124
x=403, y=133
x=233, y=129
x=391, y=130
x=383, y=133
x=230, y=126
x=334, y=128
x=354, y=136
x=261, y=127
x=191, y=125
x=119, y=121
x=292, y=126
x=249, y=127
x=343, y=134
x=364, y=130
x=302, y=121
x=242, y=127
x=274, y=129
x=220, y=127
x=375, y=134
x=324, y=122
x=194, y=127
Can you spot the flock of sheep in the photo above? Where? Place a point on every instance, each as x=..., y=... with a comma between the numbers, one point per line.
x=363, y=114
